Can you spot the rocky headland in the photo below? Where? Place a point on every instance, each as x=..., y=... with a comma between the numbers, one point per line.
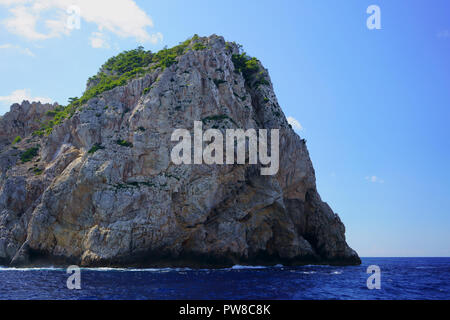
x=92, y=183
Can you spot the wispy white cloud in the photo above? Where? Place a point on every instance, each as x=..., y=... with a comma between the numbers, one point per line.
x=294, y=123
x=23, y=22
x=21, y=95
x=156, y=37
x=98, y=40
x=10, y=2
x=28, y=52
x=374, y=179
x=25, y=51
x=44, y=19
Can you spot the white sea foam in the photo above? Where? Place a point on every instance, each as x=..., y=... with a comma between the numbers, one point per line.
x=108, y=269
x=336, y=272
x=238, y=267
x=104, y=269
x=32, y=269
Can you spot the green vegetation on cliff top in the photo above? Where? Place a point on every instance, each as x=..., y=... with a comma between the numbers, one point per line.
x=118, y=70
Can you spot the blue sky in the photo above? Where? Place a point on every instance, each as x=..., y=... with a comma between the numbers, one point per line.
x=373, y=104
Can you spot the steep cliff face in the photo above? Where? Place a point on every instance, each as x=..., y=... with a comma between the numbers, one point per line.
x=100, y=189
x=22, y=120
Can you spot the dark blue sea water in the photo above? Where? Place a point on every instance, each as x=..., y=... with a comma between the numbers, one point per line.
x=401, y=278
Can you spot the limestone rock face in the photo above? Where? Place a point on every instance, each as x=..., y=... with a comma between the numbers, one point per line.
x=128, y=204
x=22, y=120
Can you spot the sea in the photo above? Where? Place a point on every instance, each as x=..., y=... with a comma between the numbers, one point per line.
x=399, y=278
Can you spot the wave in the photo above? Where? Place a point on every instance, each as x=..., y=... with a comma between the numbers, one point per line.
x=108, y=269
x=303, y=272
x=103, y=269
x=32, y=269
x=337, y=272
x=238, y=267
x=325, y=266
x=167, y=269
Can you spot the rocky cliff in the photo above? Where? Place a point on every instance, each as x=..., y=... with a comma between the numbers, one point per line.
x=22, y=120
x=94, y=185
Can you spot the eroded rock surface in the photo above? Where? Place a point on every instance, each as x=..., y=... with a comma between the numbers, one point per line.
x=22, y=120
x=128, y=205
